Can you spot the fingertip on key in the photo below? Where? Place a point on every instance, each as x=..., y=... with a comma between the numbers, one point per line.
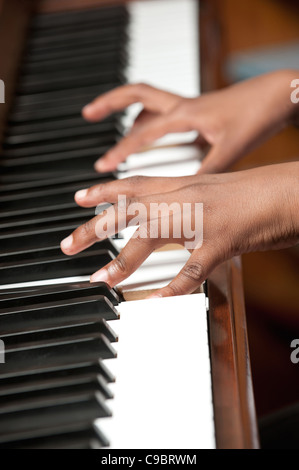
x=100, y=166
x=86, y=111
x=81, y=194
x=67, y=243
x=100, y=276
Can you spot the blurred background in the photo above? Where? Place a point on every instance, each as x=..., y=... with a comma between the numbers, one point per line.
x=241, y=40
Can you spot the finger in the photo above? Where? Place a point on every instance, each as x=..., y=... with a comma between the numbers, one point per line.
x=201, y=262
x=130, y=258
x=136, y=186
x=153, y=99
x=111, y=221
x=109, y=192
x=144, y=117
x=141, y=138
x=83, y=237
x=223, y=154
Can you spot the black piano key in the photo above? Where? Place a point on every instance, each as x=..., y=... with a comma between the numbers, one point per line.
x=39, y=180
x=12, y=214
x=73, y=122
x=71, y=177
x=41, y=52
x=58, y=99
x=34, y=135
x=19, y=201
x=76, y=142
x=87, y=72
x=59, y=51
x=53, y=413
x=46, y=254
x=16, y=297
x=56, y=20
x=110, y=33
x=48, y=265
x=16, y=408
x=51, y=164
x=82, y=437
x=56, y=314
x=45, y=358
x=57, y=335
x=66, y=82
x=39, y=219
x=59, y=109
x=63, y=184
x=60, y=389
x=75, y=63
x=14, y=242
x=32, y=168
x=30, y=381
x=25, y=389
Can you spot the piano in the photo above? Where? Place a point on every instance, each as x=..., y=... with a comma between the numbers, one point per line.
x=87, y=366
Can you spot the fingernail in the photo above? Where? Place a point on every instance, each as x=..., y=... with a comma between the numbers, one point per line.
x=87, y=108
x=100, y=166
x=100, y=276
x=67, y=242
x=81, y=194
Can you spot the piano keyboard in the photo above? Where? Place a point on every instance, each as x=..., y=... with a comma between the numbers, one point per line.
x=57, y=387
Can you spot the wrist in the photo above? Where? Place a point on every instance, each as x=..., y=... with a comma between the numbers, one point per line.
x=291, y=188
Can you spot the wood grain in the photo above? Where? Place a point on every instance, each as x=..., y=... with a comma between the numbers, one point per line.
x=234, y=408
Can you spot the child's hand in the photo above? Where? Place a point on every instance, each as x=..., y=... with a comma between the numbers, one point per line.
x=232, y=121
x=244, y=211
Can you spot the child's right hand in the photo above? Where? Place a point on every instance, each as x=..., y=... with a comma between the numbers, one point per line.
x=232, y=121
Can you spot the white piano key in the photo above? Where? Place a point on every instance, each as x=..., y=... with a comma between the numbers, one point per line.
x=164, y=45
x=157, y=271
x=180, y=160
x=163, y=391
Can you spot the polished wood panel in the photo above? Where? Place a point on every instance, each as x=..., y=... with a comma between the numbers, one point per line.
x=235, y=419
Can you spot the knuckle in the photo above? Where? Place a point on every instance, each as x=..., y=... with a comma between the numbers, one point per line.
x=86, y=230
x=124, y=204
x=193, y=271
x=120, y=266
x=138, y=179
x=182, y=106
x=175, y=289
x=141, y=87
x=130, y=201
x=139, y=139
x=144, y=235
x=97, y=190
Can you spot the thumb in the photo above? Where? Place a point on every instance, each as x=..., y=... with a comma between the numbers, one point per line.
x=216, y=160
x=200, y=264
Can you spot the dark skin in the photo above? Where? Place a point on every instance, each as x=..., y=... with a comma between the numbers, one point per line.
x=243, y=211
